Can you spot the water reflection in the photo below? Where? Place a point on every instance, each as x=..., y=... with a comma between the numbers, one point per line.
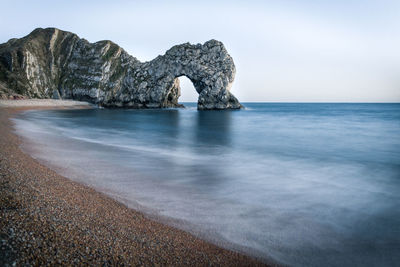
x=163, y=125
x=213, y=128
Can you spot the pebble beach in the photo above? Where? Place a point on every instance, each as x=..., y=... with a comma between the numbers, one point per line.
x=47, y=219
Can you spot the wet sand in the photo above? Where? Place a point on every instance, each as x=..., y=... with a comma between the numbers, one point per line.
x=47, y=219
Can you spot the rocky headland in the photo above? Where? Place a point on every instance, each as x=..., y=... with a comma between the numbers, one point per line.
x=51, y=63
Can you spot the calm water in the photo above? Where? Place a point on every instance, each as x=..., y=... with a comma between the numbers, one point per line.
x=304, y=184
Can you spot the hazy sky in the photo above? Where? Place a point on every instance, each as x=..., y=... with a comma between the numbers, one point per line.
x=301, y=51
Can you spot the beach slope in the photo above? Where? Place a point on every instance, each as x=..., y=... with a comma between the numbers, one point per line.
x=47, y=219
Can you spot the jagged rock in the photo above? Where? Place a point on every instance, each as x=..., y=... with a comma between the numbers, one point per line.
x=50, y=63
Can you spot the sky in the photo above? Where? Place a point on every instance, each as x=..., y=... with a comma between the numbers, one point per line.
x=284, y=50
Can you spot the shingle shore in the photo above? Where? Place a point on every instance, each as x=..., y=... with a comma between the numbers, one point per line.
x=47, y=219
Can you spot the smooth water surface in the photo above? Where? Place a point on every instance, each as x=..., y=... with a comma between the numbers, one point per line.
x=304, y=184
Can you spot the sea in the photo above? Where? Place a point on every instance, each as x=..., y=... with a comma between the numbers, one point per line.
x=301, y=184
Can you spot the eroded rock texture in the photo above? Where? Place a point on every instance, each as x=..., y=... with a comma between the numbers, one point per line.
x=54, y=63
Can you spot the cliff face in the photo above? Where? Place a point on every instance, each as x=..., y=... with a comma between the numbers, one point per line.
x=50, y=63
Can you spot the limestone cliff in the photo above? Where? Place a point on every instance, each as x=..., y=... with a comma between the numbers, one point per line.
x=50, y=63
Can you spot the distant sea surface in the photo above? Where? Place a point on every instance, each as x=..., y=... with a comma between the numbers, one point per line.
x=303, y=184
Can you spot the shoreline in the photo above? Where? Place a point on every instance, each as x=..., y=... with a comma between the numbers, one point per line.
x=49, y=219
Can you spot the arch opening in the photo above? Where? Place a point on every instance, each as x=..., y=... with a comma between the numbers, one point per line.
x=188, y=92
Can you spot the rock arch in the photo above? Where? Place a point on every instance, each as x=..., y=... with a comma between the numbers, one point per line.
x=54, y=63
x=208, y=66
